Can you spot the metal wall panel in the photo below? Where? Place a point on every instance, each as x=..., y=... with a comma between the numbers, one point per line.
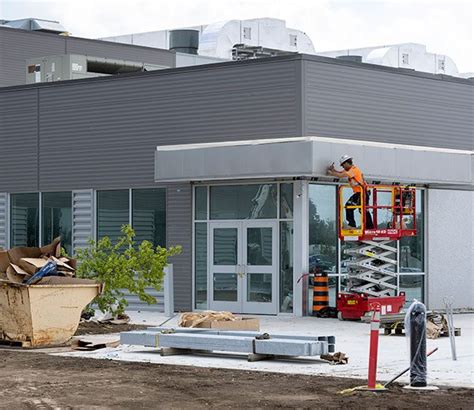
x=366, y=103
x=135, y=304
x=83, y=220
x=104, y=133
x=19, y=141
x=3, y=220
x=16, y=46
x=179, y=232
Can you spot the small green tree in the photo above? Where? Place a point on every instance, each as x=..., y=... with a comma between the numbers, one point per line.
x=124, y=266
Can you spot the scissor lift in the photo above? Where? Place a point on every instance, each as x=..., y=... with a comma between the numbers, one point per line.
x=373, y=250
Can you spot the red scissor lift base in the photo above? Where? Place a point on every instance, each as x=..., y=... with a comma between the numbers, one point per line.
x=352, y=306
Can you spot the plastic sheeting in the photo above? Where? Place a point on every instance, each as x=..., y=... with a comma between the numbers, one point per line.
x=415, y=331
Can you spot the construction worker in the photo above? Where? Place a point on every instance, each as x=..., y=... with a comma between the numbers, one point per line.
x=358, y=184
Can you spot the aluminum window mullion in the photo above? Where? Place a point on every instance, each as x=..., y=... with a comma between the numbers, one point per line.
x=40, y=218
x=130, y=210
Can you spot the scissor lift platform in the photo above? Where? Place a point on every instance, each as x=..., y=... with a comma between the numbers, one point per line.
x=373, y=250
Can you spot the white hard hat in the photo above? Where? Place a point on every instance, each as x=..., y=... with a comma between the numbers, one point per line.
x=344, y=158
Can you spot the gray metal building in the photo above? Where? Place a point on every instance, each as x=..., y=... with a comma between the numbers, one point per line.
x=90, y=136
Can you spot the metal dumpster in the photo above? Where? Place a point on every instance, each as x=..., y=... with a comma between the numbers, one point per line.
x=42, y=315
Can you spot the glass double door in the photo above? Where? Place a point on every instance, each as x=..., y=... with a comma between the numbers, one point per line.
x=243, y=266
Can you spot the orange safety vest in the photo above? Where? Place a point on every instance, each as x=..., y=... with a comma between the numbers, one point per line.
x=356, y=179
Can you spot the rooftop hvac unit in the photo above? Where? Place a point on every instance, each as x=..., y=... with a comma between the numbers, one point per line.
x=73, y=67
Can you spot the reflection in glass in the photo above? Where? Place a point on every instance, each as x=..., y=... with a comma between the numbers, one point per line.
x=322, y=228
x=225, y=287
x=286, y=201
x=411, y=247
x=225, y=246
x=200, y=264
x=149, y=215
x=413, y=286
x=332, y=283
x=243, y=201
x=24, y=219
x=259, y=246
x=56, y=210
x=259, y=287
x=200, y=199
x=286, y=267
x=112, y=213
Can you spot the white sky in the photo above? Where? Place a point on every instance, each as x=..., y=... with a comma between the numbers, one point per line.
x=445, y=27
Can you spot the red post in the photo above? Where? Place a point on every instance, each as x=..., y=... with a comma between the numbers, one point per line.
x=374, y=344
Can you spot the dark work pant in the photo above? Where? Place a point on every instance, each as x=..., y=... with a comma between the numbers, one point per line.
x=353, y=201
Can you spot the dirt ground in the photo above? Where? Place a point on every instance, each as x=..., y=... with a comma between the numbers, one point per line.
x=93, y=328
x=34, y=380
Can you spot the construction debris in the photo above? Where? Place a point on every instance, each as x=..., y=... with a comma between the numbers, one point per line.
x=336, y=358
x=31, y=265
x=218, y=320
x=94, y=342
x=436, y=325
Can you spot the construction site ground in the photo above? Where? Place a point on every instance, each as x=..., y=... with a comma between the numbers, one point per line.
x=138, y=377
x=35, y=380
x=352, y=338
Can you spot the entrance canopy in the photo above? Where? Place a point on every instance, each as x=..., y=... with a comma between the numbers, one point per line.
x=309, y=157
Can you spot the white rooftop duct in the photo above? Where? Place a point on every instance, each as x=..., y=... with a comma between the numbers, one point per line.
x=408, y=55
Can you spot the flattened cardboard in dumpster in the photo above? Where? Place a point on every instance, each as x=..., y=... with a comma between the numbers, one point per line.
x=15, y=254
x=4, y=261
x=4, y=264
x=32, y=265
x=61, y=264
x=16, y=274
x=53, y=249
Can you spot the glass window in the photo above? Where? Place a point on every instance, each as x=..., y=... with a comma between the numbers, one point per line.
x=259, y=246
x=413, y=286
x=286, y=201
x=24, y=219
x=225, y=287
x=149, y=215
x=200, y=203
x=286, y=267
x=244, y=201
x=225, y=246
x=112, y=213
x=56, y=209
x=411, y=247
x=200, y=264
x=322, y=228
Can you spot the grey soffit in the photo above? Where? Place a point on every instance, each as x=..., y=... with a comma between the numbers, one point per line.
x=309, y=157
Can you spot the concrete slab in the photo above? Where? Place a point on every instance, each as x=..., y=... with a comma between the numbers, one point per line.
x=352, y=339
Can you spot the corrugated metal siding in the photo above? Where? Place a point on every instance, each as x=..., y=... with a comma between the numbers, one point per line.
x=82, y=217
x=377, y=105
x=3, y=220
x=19, y=141
x=179, y=232
x=16, y=46
x=104, y=133
x=134, y=303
